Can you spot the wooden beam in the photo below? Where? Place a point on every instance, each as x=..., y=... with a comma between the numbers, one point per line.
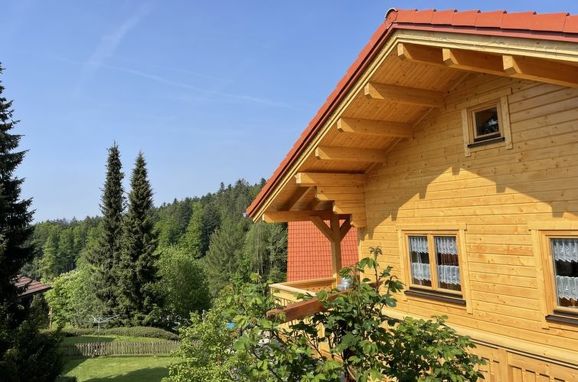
x=296, y=198
x=372, y=127
x=329, y=179
x=403, y=94
x=349, y=154
x=535, y=69
x=473, y=61
x=291, y=216
x=336, y=262
x=420, y=53
x=321, y=226
x=344, y=229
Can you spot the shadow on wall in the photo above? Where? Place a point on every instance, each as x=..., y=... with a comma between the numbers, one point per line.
x=430, y=176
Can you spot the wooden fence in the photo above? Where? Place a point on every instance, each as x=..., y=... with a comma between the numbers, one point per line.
x=97, y=349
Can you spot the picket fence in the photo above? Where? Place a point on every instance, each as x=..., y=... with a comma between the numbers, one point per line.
x=97, y=349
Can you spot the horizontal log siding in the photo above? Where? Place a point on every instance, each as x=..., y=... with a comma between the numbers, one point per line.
x=496, y=192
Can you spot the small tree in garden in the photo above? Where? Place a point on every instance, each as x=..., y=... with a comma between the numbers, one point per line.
x=359, y=341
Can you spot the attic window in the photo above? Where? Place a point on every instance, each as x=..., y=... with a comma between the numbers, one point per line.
x=487, y=125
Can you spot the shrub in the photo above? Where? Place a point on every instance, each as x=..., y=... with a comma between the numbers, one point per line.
x=134, y=331
x=235, y=341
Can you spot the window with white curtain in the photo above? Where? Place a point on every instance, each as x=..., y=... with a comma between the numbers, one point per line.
x=565, y=259
x=434, y=261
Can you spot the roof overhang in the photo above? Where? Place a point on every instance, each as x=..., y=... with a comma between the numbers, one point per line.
x=401, y=75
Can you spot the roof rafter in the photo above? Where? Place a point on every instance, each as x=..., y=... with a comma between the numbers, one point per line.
x=535, y=69
x=348, y=154
x=333, y=179
x=373, y=127
x=403, y=94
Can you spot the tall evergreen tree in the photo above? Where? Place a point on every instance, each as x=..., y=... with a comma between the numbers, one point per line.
x=105, y=257
x=224, y=258
x=192, y=240
x=138, y=282
x=24, y=353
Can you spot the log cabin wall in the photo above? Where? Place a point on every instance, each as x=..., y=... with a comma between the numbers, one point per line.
x=499, y=200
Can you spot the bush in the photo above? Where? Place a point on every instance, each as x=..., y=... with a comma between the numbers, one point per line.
x=134, y=331
x=235, y=341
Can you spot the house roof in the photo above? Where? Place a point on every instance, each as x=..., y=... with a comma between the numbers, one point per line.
x=561, y=27
x=30, y=286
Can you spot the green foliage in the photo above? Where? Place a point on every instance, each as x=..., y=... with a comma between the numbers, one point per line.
x=131, y=331
x=25, y=354
x=72, y=299
x=363, y=342
x=192, y=241
x=207, y=347
x=137, y=271
x=105, y=257
x=224, y=259
x=265, y=251
x=183, y=283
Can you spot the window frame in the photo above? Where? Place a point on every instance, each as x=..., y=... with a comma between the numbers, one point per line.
x=472, y=142
x=541, y=231
x=457, y=298
x=550, y=272
x=485, y=137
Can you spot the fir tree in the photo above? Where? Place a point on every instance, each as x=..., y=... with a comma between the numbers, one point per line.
x=139, y=292
x=25, y=354
x=224, y=257
x=49, y=261
x=105, y=257
x=192, y=240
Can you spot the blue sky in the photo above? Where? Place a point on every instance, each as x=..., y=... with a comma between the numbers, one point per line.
x=211, y=91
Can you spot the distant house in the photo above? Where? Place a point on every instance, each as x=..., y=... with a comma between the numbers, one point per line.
x=30, y=287
x=452, y=144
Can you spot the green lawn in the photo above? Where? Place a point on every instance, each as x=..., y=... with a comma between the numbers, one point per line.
x=119, y=369
x=107, y=338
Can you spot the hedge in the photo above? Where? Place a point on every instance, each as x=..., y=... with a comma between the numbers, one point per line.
x=135, y=331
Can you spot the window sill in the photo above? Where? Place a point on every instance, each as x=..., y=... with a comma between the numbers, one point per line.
x=560, y=317
x=486, y=142
x=436, y=295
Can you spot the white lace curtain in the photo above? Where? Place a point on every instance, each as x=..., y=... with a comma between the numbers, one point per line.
x=565, y=251
x=448, y=267
x=419, y=270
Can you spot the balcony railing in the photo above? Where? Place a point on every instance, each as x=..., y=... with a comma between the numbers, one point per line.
x=288, y=293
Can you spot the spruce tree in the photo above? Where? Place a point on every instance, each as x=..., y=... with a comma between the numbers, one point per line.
x=105, y=257
x=25, y=354
x=138, y=282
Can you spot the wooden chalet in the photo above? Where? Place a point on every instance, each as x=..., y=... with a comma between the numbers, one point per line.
x=452, y=144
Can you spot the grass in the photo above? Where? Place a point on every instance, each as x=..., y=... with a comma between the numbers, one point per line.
x=119, y=369
x=107, y=338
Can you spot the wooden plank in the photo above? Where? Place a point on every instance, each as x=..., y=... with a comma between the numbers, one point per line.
x=541, y=70
x=373, y=127
x=473, y=61
x=329, y=179
x=291, y=216
x=321, y=226
x=404, y=95
x=296, y=198
x=420, y=53
x=347, y=154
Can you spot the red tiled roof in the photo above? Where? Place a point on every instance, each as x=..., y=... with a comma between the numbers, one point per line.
x=529, y=25
x=309, y=252
x=30, y=286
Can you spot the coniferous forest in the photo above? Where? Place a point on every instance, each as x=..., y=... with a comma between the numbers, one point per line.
x=137, y=264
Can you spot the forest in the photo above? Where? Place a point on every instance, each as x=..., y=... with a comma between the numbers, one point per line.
x=201, y=244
